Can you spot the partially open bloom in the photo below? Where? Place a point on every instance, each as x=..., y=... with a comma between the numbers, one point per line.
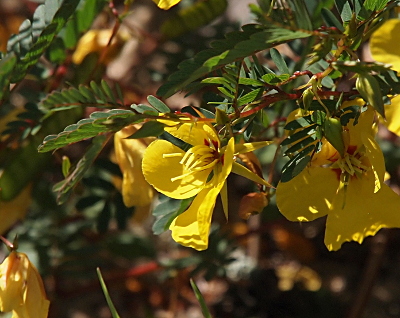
x=384, y=48
x=128, y=154
x=21, y=288
x=348, y=189
x=200, y=171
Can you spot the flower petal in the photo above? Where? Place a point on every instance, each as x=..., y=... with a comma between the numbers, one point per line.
x=191, y=228
x=376, y=159
x=364, y=214
x=166, y=4
x=129, y=153
x=392, y=113
x=251, y=146
x=159, y=171
x=383, y=43
x=194, y=133
x=307, y=196
x=244, y=172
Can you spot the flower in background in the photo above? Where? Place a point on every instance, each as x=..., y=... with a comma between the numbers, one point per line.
x=96, y=41
x=348, y=189
x=128, y=154
x=199, y=172
x=383, y=50
x=21, y=288
x=166, y=4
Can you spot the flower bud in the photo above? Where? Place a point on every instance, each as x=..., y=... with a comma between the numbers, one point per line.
x=333, y=133
x=21, y=288
x=370, y=91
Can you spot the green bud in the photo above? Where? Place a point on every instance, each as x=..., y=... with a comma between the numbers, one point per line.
x=307, y=98
x=333, y=133
x=370, y=91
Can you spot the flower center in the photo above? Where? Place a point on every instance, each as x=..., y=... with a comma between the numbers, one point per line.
x=198, y=158
x=351, y=164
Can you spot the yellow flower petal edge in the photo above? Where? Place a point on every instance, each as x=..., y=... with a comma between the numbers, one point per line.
x=21, y=288
x=384, y=43
x=166, y=4
x=363, y=214
x=128, y=154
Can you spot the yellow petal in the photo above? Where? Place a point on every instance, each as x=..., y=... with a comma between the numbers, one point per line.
x=251, y=146
x=384, y=43
x=224, y=199
x=392, y=113
x=307, y=196
x=192, y=227
x=364, y=214
x=166, y=4
x=376, y=159
x=159, y=171
x=194, y=133
x=129, y=153
x=14, y=210
x=228, y=161
x=21, y=288
x=244, y=172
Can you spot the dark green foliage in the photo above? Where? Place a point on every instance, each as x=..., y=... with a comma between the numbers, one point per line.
x=237, y=45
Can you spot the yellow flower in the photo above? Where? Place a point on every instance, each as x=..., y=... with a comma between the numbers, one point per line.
x=166, y=4
x=200, y=171
x=384, y=49
x=96, y=41
x=21, y=288
x=349, y=189
x=128, y=154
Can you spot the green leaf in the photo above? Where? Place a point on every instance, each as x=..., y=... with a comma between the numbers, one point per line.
x=167, y=211
x=34, y=38
x=81, y=21
x=97, y=123
x=375, y=5
x=297, y=164
x=344, y=9
x=299, y=135
x=279, y=61
x=301, y=144
x=237, y=45
x=250, y=81
x=95, y=95
x=299, y=123
x=331, y=20
x=110, y=304
x=158, y=104
x=149, y=129
x=64, y=187
x=6, y=67
x=200, y=298
x=250, y=97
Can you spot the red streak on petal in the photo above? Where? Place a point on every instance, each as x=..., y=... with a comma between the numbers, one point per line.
x=215, y=143
x=206, y=142
x=351, y=149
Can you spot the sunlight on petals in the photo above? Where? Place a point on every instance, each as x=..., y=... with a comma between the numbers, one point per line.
x=363, y=214
x=159, y=171
x=21, y=288
x=383, y=43
x=392, y=113
x=192, y=227
x=307, y=196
